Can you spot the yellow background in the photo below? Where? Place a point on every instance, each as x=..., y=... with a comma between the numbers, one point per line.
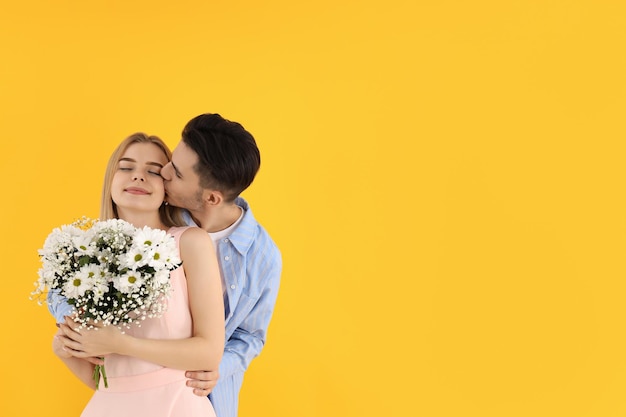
x=445, y=180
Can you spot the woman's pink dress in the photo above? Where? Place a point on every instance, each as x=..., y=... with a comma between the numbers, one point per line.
x=140, y=388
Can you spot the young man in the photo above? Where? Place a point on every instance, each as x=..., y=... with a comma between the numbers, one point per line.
x=213, y=163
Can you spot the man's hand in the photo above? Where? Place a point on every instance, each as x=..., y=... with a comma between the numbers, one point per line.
x=202, y=382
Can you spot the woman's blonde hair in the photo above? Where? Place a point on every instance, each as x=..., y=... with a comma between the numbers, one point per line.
x=170, y=216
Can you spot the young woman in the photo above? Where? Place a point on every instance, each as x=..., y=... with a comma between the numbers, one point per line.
x=145, y=365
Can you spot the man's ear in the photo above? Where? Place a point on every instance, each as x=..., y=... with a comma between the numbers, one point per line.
x=213, y=197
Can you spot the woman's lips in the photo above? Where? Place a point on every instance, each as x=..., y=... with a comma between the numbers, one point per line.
x=136, y=190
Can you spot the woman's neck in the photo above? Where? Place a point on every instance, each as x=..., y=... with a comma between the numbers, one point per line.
x=141, y=219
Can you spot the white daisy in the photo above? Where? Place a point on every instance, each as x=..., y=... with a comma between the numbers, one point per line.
x=136, y=257
x=84, y=244
x=128, y=283
x=76, y=286
x=98, y=280
x=161, y=278
x=147, y=237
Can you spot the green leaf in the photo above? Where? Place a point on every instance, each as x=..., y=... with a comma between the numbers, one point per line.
x=84, y=260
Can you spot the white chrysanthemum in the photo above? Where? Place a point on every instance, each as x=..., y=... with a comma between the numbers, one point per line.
x=130, y=282
x=56, y=240
x=97, y=280
x=136, y=257
x=84, y=244
x=77, y=286
x=116, y=226
x=168, y=253
x=147, y=237
x=71, y=230
x=157, y=258
x=161, y=278
x=47, y=277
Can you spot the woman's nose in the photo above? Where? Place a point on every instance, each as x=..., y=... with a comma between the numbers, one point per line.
x=138, y=177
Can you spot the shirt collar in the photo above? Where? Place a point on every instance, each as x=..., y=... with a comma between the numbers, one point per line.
x=243, y=236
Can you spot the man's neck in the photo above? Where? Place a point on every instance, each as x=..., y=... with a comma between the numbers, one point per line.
x=216, y=218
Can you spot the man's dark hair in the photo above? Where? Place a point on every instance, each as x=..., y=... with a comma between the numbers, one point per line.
x=228, y=157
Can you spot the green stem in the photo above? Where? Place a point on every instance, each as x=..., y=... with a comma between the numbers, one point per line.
x=104, y=375
x=97, y=371
x=96, y=375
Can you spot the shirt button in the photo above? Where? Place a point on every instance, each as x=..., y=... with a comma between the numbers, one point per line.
x=232, y=287
x=227, y=258
x=226, y=240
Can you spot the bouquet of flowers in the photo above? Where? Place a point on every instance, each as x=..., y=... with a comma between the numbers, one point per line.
x=111, y=272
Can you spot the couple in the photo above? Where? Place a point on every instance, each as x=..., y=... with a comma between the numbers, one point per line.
x=228, y=281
